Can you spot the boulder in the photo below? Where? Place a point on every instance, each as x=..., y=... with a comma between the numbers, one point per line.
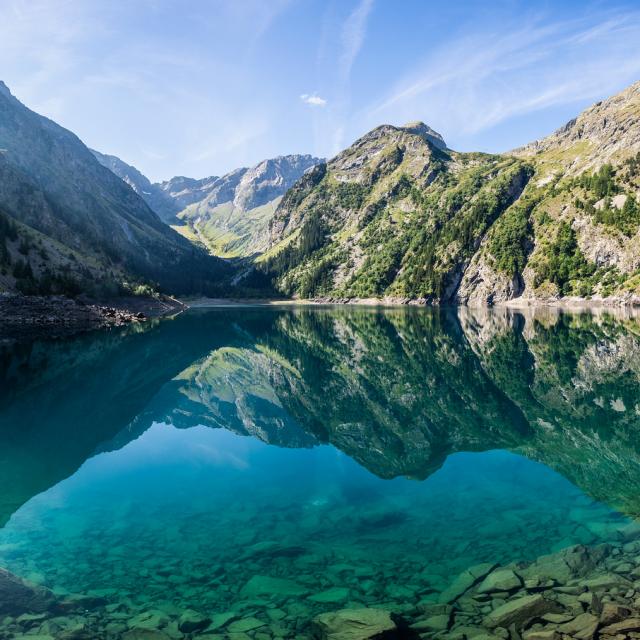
x=18, y=596
x=500, y=580
x=191, y=621
x=267, y=586
x=520, y=610
x=354, y=624
x=465, y=581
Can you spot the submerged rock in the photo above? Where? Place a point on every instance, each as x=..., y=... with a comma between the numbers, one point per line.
x=191, y=621
x=519, y=611
x=18, y=596
x=266, y=585
x=354, y=624
x=500, y=580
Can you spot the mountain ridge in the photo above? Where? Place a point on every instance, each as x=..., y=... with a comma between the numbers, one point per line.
x=226, y=214
x=398, y=215
x=69, y=223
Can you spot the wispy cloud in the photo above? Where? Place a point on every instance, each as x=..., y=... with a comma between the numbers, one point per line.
x=313, y=99
x=479, y=80
x=353, y=35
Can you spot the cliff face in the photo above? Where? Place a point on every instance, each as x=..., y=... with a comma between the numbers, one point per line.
x=399, y=215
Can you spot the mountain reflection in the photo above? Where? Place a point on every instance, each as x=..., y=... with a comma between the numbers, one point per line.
x=397, y=390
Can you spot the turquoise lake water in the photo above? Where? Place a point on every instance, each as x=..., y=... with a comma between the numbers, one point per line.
x=271, y=464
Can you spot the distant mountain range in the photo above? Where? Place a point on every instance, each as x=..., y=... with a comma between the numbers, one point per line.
x=69, y=225
x=397, y=215
x=230, y=214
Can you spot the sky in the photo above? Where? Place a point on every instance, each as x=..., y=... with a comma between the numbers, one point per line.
x=201, y=87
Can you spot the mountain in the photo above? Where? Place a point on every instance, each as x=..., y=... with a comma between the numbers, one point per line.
x=228, y=215
x=160, y=201
x=67, y=223
x=399, y=215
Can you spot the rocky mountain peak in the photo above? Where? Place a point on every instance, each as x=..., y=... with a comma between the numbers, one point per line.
x=4, y=89
x=606, y=132
x=425, y=131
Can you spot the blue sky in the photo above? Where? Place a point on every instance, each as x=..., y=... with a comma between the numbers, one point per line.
x=201, y=87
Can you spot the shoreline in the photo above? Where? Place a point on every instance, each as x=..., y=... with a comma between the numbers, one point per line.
x=53, y=317
x=627, y=302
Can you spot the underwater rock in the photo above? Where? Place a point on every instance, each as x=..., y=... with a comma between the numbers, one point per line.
x=18, y=596
x=465, y=581
x=191, y=621
x=519, y=611
x=500, y=580
x=335, y=594
x=244, y=625
x=354, y=624
x=267, y=585
x=144, y=634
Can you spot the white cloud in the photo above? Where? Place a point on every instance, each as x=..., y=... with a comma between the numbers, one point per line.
x=313, y=99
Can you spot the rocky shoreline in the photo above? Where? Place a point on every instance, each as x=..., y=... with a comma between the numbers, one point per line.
x=31, y=317
x=579, y=593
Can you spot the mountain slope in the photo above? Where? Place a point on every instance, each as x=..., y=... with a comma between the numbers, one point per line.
x=67, y=217
x=152, y=193
x=395, y=214
x=399, y=215
x=229, y=215
x=233, y=217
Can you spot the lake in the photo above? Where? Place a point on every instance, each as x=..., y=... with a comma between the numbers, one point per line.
x=239, y=472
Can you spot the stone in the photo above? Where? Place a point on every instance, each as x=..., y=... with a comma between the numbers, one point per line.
x=622, y=627
x=218, y=620
x=465, y=581
x=144, y=634
x=149, y=620
x=606, y=581
x=542, y=634
x=266, y=585
x=352, y=624
x=244, y=625
x=612, y=612
x=582, y=627
x=18, y=596
x=500, y=580
x=191, y=621
x=434, y=623
x=520, y=610
x=335, y=594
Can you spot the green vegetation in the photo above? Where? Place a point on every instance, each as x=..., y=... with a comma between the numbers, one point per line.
x=565, y=265
x=510, y=237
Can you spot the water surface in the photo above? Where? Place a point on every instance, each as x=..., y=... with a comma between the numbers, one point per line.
x=359, y=457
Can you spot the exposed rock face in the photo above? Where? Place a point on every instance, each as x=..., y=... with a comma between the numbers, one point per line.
x=231, y=214
x=606, y=132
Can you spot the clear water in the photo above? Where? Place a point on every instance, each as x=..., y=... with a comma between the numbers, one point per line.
x=361, y=457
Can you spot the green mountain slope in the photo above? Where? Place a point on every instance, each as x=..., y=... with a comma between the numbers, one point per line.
x=68, y=223
x=399, y=215
x=228, y=215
